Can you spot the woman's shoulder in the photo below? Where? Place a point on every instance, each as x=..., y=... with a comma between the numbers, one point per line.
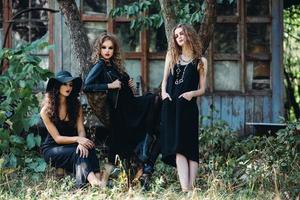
x=43, y=112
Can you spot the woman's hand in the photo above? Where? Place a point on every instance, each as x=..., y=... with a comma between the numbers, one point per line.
x=115, y=85
x=165, y=95
x=187, y=95
x=88, y=144
x=83, y=152
x=131, y=84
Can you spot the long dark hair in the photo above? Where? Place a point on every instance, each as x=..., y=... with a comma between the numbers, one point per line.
x=51, y=102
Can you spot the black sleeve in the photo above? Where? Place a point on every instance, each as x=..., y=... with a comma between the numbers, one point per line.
x=90, y=83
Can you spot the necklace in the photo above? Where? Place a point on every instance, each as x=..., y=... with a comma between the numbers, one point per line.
x=182, y=60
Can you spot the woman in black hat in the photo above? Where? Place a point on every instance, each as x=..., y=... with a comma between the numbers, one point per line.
x=66, y=145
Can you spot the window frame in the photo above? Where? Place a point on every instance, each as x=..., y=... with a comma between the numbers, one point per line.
x=241, y=20
x=7, y=15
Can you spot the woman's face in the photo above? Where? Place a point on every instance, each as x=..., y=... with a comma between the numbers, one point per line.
x=66, y=89
x=107, y=49
x=179, y=36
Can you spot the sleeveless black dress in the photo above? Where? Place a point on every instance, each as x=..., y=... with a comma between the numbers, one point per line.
x=179, y=117
x=64, y=155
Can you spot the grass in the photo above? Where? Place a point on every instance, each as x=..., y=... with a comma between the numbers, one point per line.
x=22, y=185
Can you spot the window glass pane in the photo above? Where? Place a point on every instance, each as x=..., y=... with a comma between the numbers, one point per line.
x=40, y=14
x=227, y=76
x=133, y=68
x=258, y=75
x=158, y=40
x=124, y=2
x=17, y=6
x=28, y=31
x=227, y=7
x=257, y=7
x=92, y=7
x=20, y=33
x=156, y=72
x=225, y=40
x=94, y=29
x=129, y=39
x=258, y=38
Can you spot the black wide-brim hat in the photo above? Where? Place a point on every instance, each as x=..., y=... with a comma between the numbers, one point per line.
x=64, y=77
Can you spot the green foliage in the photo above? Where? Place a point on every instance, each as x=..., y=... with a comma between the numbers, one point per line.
x=186, y=11
x=292, y=60
x=254, y=163
x=19, y=108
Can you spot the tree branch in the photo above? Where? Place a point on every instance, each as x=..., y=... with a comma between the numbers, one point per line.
x=168, y=15
x=207, y=27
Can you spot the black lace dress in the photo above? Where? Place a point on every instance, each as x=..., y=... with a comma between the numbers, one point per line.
x=179, y=117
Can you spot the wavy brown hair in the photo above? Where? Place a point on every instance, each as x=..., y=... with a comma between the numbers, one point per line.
x=193, y=41
x=117, y=55
x=51, y=101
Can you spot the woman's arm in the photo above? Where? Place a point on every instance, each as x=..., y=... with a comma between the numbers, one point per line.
x=164, y=93
x=202, y=74
x=90, y=84
x=80, y=126
x=81, y=131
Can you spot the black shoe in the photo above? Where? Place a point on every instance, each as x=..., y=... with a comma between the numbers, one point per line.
x=148, y=169
x=145, y=181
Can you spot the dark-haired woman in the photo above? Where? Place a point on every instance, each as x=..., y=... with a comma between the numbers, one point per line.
x=66, y=145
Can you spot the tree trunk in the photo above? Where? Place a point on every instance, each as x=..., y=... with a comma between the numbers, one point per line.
x=79, y=40
x=206, y=30
x=291, y=98
x=207, y=27
x=168, y=15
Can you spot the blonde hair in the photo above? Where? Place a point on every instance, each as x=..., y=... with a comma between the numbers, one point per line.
x=193, y=41
x=117, y=55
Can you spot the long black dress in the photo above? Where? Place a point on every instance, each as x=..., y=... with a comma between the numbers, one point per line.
x=179, y=117
x=129, y=116
x=64, y=156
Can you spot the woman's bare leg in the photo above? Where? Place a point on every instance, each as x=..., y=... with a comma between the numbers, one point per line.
x=193, y=170
x=183, y=171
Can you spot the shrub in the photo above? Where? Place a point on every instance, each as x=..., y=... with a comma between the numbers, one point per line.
x=19, y=108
